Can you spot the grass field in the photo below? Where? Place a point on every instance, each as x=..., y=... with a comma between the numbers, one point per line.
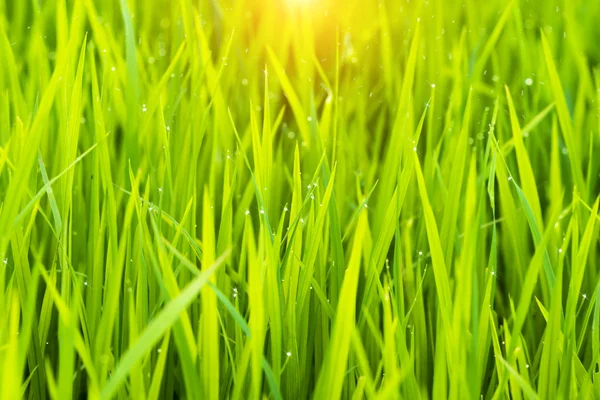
x=293, y=199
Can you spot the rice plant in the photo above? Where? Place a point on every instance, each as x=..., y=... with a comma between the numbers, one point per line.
x=294, y=199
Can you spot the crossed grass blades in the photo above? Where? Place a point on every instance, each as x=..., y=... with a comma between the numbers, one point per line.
x=292, y=199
